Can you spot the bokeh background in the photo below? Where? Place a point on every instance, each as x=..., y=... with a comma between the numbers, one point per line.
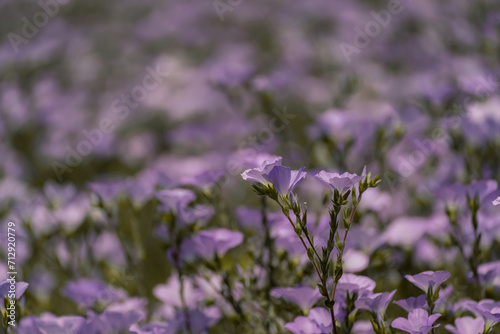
x=104, y=102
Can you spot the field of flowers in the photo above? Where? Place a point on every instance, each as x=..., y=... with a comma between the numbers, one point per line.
x=249, y=167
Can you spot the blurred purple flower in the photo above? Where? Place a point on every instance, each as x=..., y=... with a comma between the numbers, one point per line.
x=231, y=74
x=175, y=200
x=489, y=274
x=340, y=182
x=49, y=323
x=444, y=295
x=199, y=321
x=407, y=231
x=207, y=243
x=120, y=316
x=486, y=308
x=107, y=190
x=117, y=317
x=86, y=292
x=376, y=302
x=72, y=214
x=169, y=293
x=355, y=261
x=5, y=288
x=272, y=172
x=151, y=328
x=96, y=323
x=256, y=160
x=467, y=325
x=418, y=322
x=486, y=190
x=285, y=180
x=305, y=297
x=59, y=193
x=318, y=321
x=429, y=279
x=412, y=303
x=363, y=327
x=356, y=283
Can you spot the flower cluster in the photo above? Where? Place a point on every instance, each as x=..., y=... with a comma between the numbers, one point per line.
x=278, y=183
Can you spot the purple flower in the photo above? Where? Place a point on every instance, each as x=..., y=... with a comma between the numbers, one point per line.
x=59, y=194
x=341, y=182
x=96, y=323
x=260, y=173
x=72, y=214
x=318, y=321
x=305, y=297
x=210, y=242
x=355, y=261
x=418, y=322
x=256, y=160
x=117, y=317
x=5, y=288
x=429, y=279
x=363, y=327
x=232, y=73
x=412, y=303
x=484, y=189
x=285, y=180
x=107, y=190
x=376, y=302
x=87, y=292
x=467, y=325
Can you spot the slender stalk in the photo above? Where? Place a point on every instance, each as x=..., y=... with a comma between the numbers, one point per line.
x=332, y=314
x=268, y=243
x=321, y=278
x=301, y=239
x=343, y=241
